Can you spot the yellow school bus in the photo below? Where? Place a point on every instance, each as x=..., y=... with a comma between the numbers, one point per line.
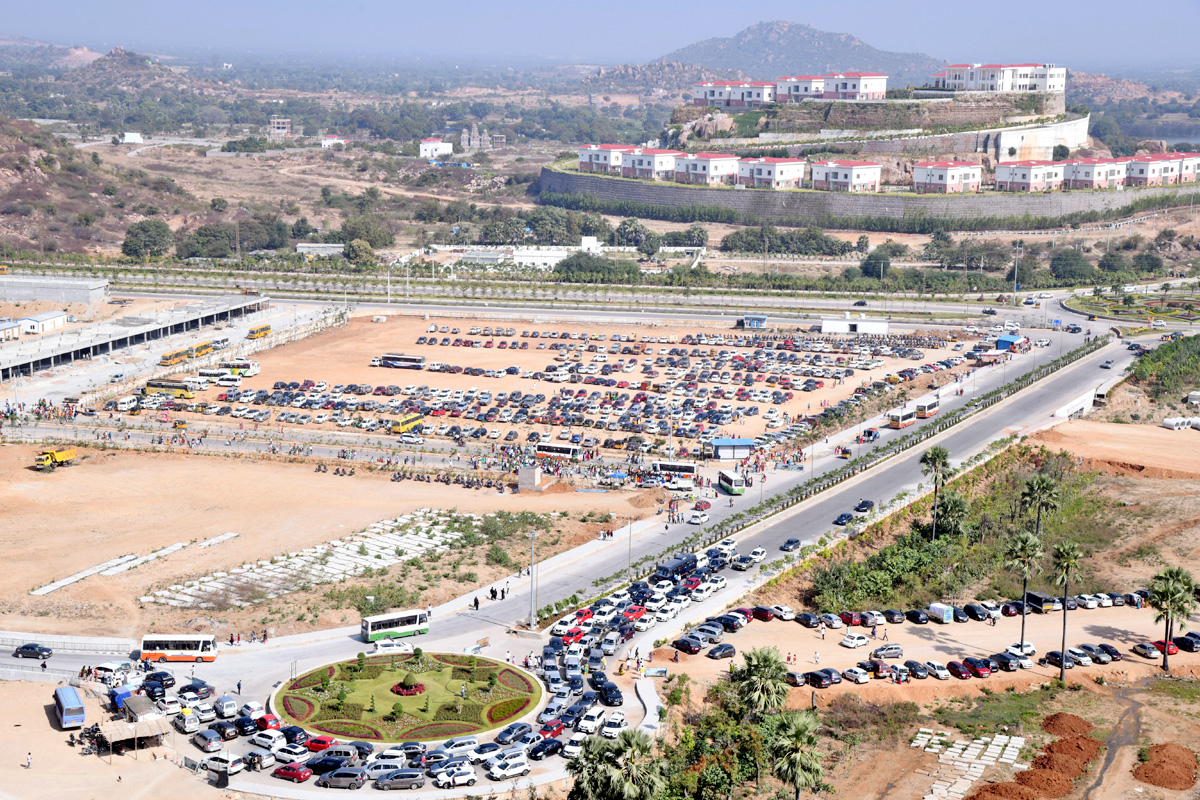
x=259, y=332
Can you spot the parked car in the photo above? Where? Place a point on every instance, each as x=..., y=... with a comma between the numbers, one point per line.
x=978, y=667
x=853, y=640
x=209, y=741
x=916, y=669
x=958, y=670
x=856, y=675
x=1147, y=650
x=294, y=772
x=938, y=670
x=722, y=651
x=890, y=650
x=1056, y=659
x=401, y=779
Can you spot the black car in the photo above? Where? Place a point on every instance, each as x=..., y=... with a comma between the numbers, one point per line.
x=610, y=695
x=893, y=615
x=320, y=766
x=844, y=519
x=546, y=747
x=728, y=622
x=225, y=729
x=484, y=752
x=960, y=615
x=1056, y=659
x=834, y=676
x=198, y=688
x=726, y=651
x=597, y=680
x=817, y=680
x=790, y=545
x=1117, y=598
x=33, y=650
x=688, y=645
x=570, y=718
x=1113, y=652
x=1006, y=661
x=864, y=506
x=246, y=726
x=162, y=677
x=1186, y=644
x=808, y=620
x=153, y=690
x=917, y=615
x=916, y=669
x=860, y=303
x=294, y=734
x=976, y=612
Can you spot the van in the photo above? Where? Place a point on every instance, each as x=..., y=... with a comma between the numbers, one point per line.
x=701, y=561
x=186, y=723
x=127, y=404
x=225, y=707
x=229, y=763
x=230, y=380
x=460, y=745
x=338, y=751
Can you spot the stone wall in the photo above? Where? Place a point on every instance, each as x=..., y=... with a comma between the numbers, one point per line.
x=824, y=207
x=976, y=109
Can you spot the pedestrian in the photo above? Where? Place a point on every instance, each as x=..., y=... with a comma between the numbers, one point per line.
x=508, y=656
x=816, y=657
x=822, y=631
x=239, y=641
x=29, y=761
x=503, y=593
x=476, y=602
x=239, y=687
x=874, y=631
x=429, y=611
x=885, y=634
x=193, y=670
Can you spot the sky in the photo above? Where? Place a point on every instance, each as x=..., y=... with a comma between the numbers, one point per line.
x=607, y=31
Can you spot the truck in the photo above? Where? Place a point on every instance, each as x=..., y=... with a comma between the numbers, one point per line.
x=50, y=459
x=940, y=612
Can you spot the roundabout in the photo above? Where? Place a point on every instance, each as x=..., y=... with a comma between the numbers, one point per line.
x=416, y=696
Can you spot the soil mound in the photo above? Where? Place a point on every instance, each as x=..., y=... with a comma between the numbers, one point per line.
x=1170, y=766
x=1046, y=783
x=1066, y=725
x=1063, y=765
x=1004, y=791
x=558, y=488
x=667, y=655
x=1083, y=748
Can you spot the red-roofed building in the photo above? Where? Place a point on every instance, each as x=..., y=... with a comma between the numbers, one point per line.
x=1094, y=173
x=733, y=94
x=855, y=86
x=797, y=88
x=1162, y=169
x=771, y=173
x=946, y=177
x=603, y=157
x=846, y=176
x=1029, y=176
x=706, y=168
x=649, y=162
x=1002, y=78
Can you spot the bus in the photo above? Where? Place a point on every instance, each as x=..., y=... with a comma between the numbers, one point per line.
x=408, y=423
x=177, y=389
x=401, y=361
x=901, y=417
x=394, y=625
x=927, y=409
x=68, y=706
x=200, y=349
x=731, y=482
x=259, y=332
x=212, y=375
x=247, y=369
x=675, y=469
x=172, y=358
x=571, y=452
x=179, y=647
x=220, y=343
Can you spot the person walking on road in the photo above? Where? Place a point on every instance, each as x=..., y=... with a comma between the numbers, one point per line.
x=822, y=631
x=29, y=761
x=239, y=688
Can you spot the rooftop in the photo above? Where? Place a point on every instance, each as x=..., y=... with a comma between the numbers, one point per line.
x=774, y=160
x=846, y=164
x=947, y=165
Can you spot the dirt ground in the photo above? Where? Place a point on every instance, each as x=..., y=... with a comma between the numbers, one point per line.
x=114, y=503
x=84, y=314
x=1135, y=450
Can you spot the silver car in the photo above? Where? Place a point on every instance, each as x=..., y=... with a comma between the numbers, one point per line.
x=207, y=741
x=345, y=778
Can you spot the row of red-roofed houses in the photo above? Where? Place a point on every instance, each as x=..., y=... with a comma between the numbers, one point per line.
x=1159, y=169
x=791, y=89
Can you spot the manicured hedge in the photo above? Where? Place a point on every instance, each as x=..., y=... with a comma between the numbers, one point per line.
x=298, y=708
x=512, y=679
x=507, y=708
x=354, y=730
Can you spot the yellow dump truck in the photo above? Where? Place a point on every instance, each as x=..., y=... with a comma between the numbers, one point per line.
x=49, y=459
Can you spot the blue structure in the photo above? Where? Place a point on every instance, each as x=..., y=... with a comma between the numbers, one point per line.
x=1013, y=343
x=754, y=321
x=731, y=449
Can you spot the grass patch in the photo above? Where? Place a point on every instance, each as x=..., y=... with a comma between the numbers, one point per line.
x=850, y=715
x=987, y=714
x=1176, y=688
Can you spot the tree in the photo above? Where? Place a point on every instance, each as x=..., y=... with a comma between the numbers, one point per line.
x=1173, y=597
x=219, y=204
x=1023, y=555
x=302, y=228
x=620, y=769
x=863, y=244
x=936, y=462
x=953, y=510
x=1148, y=262
x=1113, y=261
x=1070, y=266
x=149, y=238
x=631, y=232
x=650, y=245
x=876, y=265
x=1061, y=151
x=795, y=749
x=1066, y=563
x=371, y=228
x=696, y=235
x=1040, y=494
x=360, y=254
x=762, y=682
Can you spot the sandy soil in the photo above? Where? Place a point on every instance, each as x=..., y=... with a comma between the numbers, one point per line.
x=84, y=314
x=111, y=503
x=1133, y=450
x=343, y=356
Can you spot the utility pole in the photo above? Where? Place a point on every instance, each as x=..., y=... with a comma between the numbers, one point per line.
x=630, y=526
x=1018, y=251
x=532, y=595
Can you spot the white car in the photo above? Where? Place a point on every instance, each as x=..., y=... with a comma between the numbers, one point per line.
x=1087, y=601
x=252, y=709
x=853, y=640
x=1042, y=343
x=1024, y=662
x=615, y=724
x=320, y=419
x=991, y=608
x=292, y=753
x=463, y=776
x=645, y=623
x=393, y=646
x=698, y=518
x=574, y=745
x=680, y=603
x=718, y=582
x=169, y=705
x=656, y=601
x=1079, y=657
x=758, y=554
x=1021, y=649
x=1104, y=600
x=937, y=670
x=702, y=592
x=784, y=613
x=667, y=613
x=832, y=621
x=856, y=675
x=204, y=712
x=563, y=625
x=411, y=438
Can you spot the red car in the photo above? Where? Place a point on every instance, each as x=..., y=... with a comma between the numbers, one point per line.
x=1170, y=647
x=851, y=618
x=318, y=743
x=552, y=729
x=295, y=772
x=584, y=614
x=633, y=613
x=268, y=722
x=572, y=636
x=702, y=505
x=764, y=613
x=957, y=669
x=977, y=667
x=747, y=613
x=691, y=582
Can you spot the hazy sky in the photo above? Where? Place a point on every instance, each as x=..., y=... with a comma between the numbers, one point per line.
x=613, y=31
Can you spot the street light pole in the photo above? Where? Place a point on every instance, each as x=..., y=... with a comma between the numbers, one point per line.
x=532, y=595
x=630, y=526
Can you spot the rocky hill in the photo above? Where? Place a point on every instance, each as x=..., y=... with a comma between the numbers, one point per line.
x=671, y=80
x=771, y=49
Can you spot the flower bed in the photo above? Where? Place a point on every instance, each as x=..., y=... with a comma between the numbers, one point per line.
x=354, y=730
x=412, y=691
x=506, y=709
x=311, y=679
x=298, y=707
x=471, y=712
x=511, y=679
x=347, y=711
x=441, y=730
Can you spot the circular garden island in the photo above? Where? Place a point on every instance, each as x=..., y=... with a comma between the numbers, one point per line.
x=406, y=697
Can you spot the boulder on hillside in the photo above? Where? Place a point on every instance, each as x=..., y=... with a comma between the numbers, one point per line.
x=1152, y=146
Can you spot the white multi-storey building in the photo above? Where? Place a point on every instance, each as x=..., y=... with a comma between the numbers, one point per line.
x=1029, y=176
x=649, y=162
x=846, y=176
x=946, y=177
x=733, y=94
x=706, y=168
x=771, y=173
x=603, y=157
x=434, y=148
x=855, y=86
x=1002, y=78
x=795, y=88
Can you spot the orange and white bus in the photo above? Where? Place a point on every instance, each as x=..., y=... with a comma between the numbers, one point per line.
x=927, y=409
x=901, y=417
x=179, y=647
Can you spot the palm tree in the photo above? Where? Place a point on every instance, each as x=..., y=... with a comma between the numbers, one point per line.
x=953, y=509
x=762, y=682
x=634, y=772
x=1172, y=595
x=590, y=770
x=1023, y=554
x=1040, y=494
x=795, y=748
x=936, y=462
x=1066, y=562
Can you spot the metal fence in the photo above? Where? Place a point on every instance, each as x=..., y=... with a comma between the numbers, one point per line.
x=70, y=644
x=28, y=672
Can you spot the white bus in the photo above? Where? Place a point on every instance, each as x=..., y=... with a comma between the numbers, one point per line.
x=571, y=452
x=401, y=361
x=901, y=417
x=927, y=408
x=731, y=482
x=675, y=469
x=394, y=625
x=247, y=369
x=221, y=343
x=213, y=375
x=178, y=647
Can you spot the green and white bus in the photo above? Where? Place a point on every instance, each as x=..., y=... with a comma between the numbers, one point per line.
x=731, y=482
x=394, y=625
